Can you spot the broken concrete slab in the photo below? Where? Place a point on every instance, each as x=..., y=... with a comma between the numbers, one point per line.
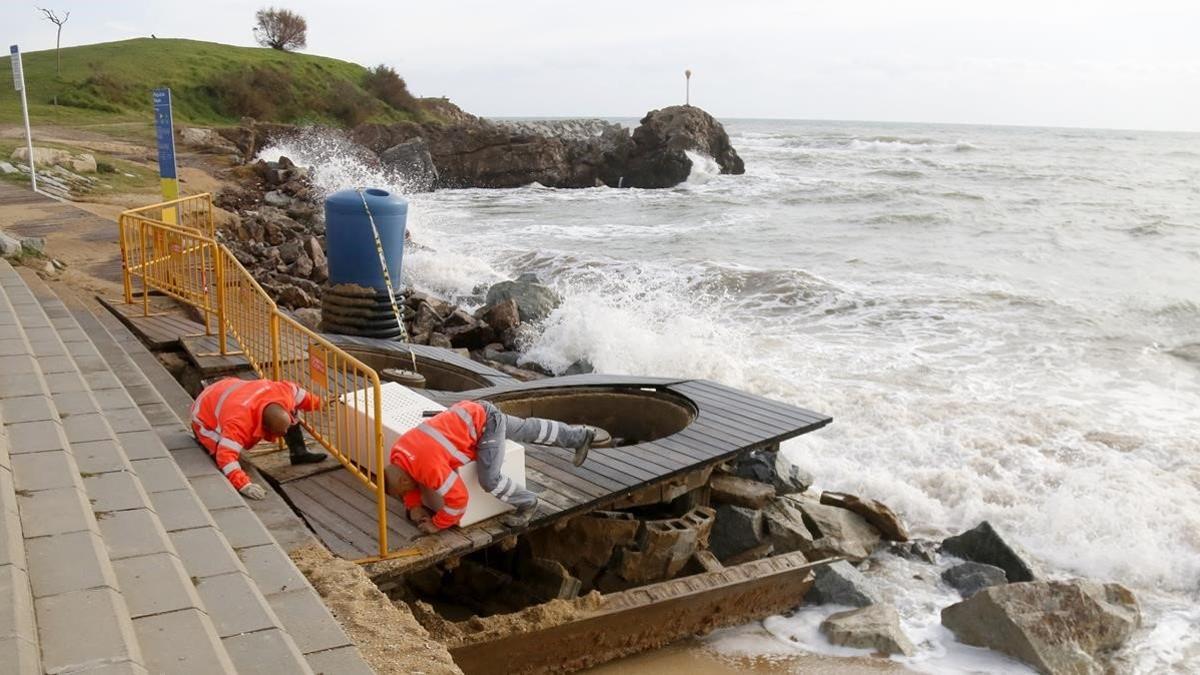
x=785, y=526
x=970, y=577
x=874, y=627
x=874, y=512
x=842, y=584
x=729, y=489
x=1055, y=626
x=837, y=532
x=983, y=544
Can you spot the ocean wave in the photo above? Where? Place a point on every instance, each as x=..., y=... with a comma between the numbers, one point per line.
x=888, y=144
x=897, y=173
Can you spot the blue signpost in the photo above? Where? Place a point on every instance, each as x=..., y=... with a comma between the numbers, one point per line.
x=164, y=133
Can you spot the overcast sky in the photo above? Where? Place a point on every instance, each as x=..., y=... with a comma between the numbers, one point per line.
x=1134, y=64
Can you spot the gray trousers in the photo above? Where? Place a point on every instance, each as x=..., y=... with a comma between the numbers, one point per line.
x=489, y=453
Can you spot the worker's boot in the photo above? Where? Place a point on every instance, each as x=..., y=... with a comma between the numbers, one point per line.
x=520, y=517
x=594, y=437
x=299, y=451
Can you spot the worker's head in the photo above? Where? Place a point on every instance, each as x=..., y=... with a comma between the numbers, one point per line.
x=397, y=481
x=276, y=420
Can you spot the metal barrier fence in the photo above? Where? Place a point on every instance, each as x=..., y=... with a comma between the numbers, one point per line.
x=193, y=212
x=189, y=265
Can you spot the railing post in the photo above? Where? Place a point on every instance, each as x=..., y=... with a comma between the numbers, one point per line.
x=212, y=229
x=219, y=271
x=275, y=362
x=145, y=273
x=380, y=482
x=127, y=286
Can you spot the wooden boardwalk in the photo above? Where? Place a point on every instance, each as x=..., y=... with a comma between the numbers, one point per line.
x=727, y=423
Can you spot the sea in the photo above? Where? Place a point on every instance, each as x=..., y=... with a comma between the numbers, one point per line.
x=1003, y=322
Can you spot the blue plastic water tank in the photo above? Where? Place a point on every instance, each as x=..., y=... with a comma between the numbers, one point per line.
x=349, y=243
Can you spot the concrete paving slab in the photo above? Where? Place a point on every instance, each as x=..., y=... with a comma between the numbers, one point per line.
x=177, y=438
x=84, y=627
x=14, y=385
x=216, y=492
x=12, y=543
x=137, y=532
x=141, y=445
x=91, y=363
x=154, y=584
x=241, y=527
x=195, y=461
x=102, y=380
x=36, y=408
x=21, y=656
x=35, y=437
x=235, y=604
x=96, y=457
x=266, y=652
x=44, y=470
x=62, y=383
x=11, y=346
x=160, y=475
x=308, y=621
x=125, y=420
x=339, y=661
x=181, y=643
x=57, y=511
x=113, y=399
x=75, y=403
x=68, y=562
x=271, y=569
x=20, y=364
x=205, y=552
x=116, y=491
x=16, y=605
x=180, y=510
x=86, y=427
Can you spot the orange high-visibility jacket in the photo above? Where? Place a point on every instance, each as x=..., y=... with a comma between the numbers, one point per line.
x=432, y=452
x=227, y=418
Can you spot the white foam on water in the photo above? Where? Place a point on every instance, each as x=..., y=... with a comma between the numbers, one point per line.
x=704, y=168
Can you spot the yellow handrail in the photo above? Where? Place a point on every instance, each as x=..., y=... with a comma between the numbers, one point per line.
x=184, y=261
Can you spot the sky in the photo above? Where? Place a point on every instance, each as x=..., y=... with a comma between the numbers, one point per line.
x=1132, y=65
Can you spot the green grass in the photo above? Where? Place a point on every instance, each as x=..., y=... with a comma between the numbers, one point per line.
x=125, y=176
x=108, y=85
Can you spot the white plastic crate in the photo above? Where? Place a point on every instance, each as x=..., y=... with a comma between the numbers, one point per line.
x=401, y=408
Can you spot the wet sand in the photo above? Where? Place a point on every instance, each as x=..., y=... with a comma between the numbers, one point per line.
x=691, y=657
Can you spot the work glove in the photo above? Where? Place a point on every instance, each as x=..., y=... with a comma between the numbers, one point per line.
x=253, y=491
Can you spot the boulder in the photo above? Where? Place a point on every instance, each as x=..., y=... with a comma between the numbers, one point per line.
x=727, y=489
x=785, y=527
x=884, y=519
x=837, y=531
x=81, y=163
x=984, y=545
x=312, y=247
x=277, y=199
x=579, y=367
x=737, y=529
x=6, y=168
x=474, y=335
x=206, y=139
x=916, y=549
x=440, y=340
x=534, y=300
x=970, y=577
x=658, y=158
x=10, y=247
x=302, y=266
x=874, y=627
x=842, y=584
x=411, y=159
x=758, y=465
x=1055, y=626
x=41, y=156
x=308, y=317
x=501, y=316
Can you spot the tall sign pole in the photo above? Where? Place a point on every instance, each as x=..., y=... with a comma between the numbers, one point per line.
x=164, y=133
x=14, y=55
x=687, y=96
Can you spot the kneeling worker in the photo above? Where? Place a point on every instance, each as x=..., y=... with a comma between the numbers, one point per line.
x=430, y=454
x=233, y=415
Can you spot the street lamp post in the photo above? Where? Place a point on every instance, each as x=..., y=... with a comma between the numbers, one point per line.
x=687, y=96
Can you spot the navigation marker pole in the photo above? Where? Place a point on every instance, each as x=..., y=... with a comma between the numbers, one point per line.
x=687, y=96
x=19, y=85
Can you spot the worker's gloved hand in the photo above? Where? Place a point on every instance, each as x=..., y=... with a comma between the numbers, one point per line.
x=419, y=514
x=427, y=527
x=253, y=491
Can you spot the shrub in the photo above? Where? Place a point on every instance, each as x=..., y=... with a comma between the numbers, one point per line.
x=261, y=92
x=386, y=85
x=280, y=29
x=350, y=105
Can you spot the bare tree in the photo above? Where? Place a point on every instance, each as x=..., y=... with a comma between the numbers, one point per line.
x=280, y=29
x=52, y=16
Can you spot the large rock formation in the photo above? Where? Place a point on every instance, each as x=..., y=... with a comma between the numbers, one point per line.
x=1055, y=626
x=659, y=156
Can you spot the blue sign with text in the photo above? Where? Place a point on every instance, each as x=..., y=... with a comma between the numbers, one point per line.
x=164, y=132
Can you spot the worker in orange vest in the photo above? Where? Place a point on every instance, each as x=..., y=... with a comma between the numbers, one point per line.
x=233, y=415
x=430, y=454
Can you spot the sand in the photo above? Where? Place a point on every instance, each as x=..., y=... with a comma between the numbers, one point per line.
x=388, y=636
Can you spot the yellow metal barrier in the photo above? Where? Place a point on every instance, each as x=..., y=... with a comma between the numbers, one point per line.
x=189, y=265
x=193, y=212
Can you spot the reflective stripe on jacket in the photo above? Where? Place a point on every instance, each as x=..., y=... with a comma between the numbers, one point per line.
x=432, y=452
x=227, y=418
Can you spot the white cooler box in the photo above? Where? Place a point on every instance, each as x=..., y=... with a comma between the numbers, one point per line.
x=402, y=408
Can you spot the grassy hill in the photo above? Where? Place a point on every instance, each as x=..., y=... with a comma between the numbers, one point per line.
x=210, y=83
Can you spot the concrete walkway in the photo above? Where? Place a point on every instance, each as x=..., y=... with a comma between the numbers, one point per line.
x=122, y=548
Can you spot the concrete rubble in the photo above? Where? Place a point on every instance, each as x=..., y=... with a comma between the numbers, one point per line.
x=837, y=532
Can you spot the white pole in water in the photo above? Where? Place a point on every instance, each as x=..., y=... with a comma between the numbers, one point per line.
x=687, y=74
x=19, y=85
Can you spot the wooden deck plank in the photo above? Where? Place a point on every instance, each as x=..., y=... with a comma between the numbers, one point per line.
x=740, y=406
x=785, y=410
x=575, y=481
x=609, y=480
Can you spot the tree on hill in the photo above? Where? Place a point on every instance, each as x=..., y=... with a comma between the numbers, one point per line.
x=280, y=29
x=53, y=17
